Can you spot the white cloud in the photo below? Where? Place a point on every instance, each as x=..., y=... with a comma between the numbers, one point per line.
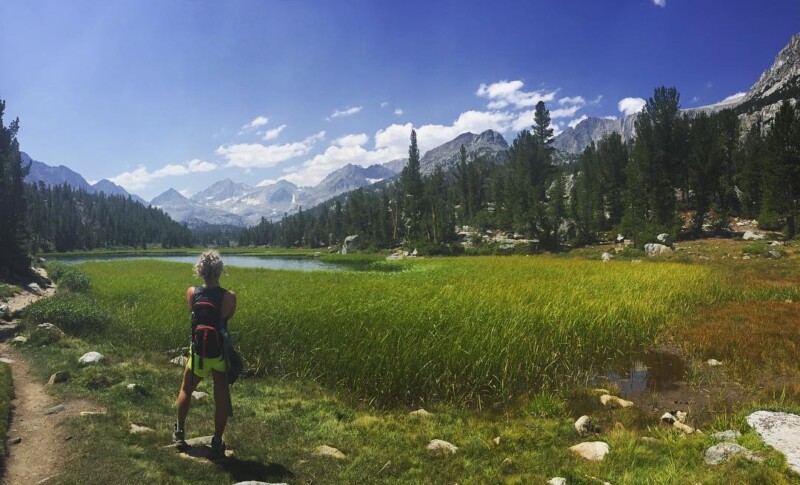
x=257, y=123
x=274, y=133
x=574, y=123
x=256, y=155
x=660, y=3
x=398, y=112
x=578, y=100
x=266, y=182
x=345, y=112
x=596, y=100
x=352, y=140
x=384, y=104
x=629, y=106
x=509, y=93
x=610, y=117
x=185, y=193
x=734, y=97
x=140, y=177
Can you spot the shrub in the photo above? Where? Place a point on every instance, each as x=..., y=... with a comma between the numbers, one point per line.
x=55, y=269
x=632, y=252
x=73, y=313
x=75, y=280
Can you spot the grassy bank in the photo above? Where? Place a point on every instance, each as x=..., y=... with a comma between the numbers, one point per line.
x=470, y=330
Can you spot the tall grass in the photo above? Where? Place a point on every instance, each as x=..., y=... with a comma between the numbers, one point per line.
x=476, y=330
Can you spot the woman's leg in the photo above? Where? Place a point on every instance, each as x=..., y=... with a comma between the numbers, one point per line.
x=190, y=382
x=220, y=402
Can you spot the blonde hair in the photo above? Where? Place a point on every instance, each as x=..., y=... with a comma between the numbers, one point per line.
x=209, y=265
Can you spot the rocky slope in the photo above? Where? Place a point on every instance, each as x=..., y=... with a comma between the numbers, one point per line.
x=193, y=214
x=489, y=145
x=781, y=81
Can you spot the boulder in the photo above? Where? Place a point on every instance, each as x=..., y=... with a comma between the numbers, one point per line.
x=656, y=249
x=677, y=421
x=35, y=289
x=727, y=435
x=329, y=452
x=19, y=340
x=442, y=447
x=620, y=238
x=781, y=431
x=664, y=238
x=591, y=450
x=752, y=236
x=91, y=358
x=722, y=452
x=774, y=254
x=606, y=257
x=420, y=413
x=584, y=426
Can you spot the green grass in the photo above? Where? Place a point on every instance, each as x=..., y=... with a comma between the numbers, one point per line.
x=6, y=394
x=481, y=331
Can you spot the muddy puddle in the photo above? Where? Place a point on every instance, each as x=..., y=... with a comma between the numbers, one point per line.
x=654, y=371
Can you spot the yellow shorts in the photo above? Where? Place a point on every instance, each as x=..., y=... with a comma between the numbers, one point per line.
x=209, y=364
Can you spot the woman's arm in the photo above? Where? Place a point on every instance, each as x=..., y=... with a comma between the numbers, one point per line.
x=190, y=297
x=228, y=305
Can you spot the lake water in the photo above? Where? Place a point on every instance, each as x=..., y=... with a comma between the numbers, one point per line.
x=294, y=264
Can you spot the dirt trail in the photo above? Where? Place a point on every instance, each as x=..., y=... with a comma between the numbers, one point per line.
x=39, y=455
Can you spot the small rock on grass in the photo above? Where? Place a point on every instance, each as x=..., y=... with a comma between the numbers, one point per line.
x=441, y=446
x=19, y=340
x=420, y=413
x=727, y=435
x=608, y=399
x=91, y=358
x=14, y=441
x=496, y=441
x=584, y=426
x=6, y=361
x=713, y=363
x=136, y=429
x=252, y=482
x=557, y=481
x=330, y=452
x=199, y=395
x=55, y=409
x=592, y=450
x=92, y=413
x=180, y=360
x=59, y=376
x=722, y=452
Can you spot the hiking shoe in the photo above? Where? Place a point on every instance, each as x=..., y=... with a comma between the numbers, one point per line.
x=178, y=436
x=217, y=446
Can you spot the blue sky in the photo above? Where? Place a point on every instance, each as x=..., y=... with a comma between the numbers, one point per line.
x=158, y=94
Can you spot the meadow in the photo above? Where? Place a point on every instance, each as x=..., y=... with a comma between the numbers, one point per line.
x=480, y=331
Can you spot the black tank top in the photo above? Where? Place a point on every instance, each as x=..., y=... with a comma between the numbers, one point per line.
x=216, y=295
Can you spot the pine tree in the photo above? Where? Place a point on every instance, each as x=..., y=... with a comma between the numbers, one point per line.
x=14, y=242
x=412, y=191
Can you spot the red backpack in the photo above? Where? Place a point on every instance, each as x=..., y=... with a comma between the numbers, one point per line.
x=207, y=323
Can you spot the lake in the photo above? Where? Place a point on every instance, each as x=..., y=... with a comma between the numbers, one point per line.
x=293, y=264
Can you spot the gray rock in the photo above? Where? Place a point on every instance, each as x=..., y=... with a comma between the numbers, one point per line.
x=584, y=425
x=329, y=452
x=664, y=238
x=557, y=481
x=351, y=243
x=35, y=289
x=180, y=360
x=14, y=441
x=19, y=340
x=722, y=452
x=774, y=254
x=656, y=249
x=606, y=257
x=90, y=358
x=752, y=236
x=199, y=395
x=781, y=431
x=136, y=429
x=592, y=450
x=727, y=435
x=421, y=413
x=55, y=409
x=713, y=363
x=441, y=446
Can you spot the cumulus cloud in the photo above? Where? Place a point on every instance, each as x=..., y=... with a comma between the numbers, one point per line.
x=257, y=123
x=274, y=133
x=140, y=177
x=384, y=104
x=629, y=106
x=398, y=112
x=503, y=94
x=256, y=155
x=345, y=112
x=734, y=97
x=266, y=182
x=660, y=3
x=576, y=121
x=351, y=140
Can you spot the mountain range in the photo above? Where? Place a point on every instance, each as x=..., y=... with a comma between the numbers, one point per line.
x=779, y=82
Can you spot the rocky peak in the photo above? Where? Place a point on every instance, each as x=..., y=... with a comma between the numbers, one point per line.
x=489, y=145
x=784, y=71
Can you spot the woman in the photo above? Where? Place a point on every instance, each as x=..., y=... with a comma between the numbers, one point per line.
x=211, y=307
